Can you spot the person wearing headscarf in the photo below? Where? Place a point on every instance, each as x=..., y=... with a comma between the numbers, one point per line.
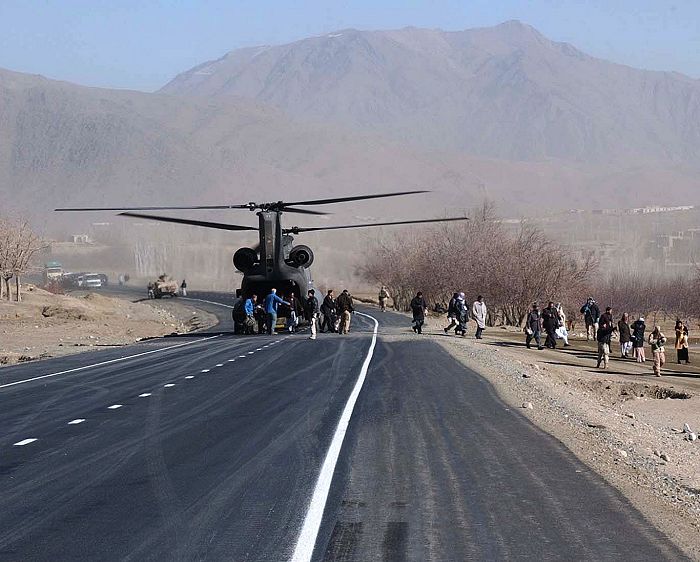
x=461, y=315
x=682, y=342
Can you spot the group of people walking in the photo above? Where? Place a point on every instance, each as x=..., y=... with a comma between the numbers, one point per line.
x=551, y=321
x=601, y=328
x=459, y=314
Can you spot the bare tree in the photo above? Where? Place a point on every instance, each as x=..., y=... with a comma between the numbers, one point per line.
x=480, y=257
x=19, y=244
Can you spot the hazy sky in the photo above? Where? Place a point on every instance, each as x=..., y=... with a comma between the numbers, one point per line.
x=141, y=44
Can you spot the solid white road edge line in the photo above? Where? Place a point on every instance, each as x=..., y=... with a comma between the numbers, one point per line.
x=106, y=362
x=312, y=522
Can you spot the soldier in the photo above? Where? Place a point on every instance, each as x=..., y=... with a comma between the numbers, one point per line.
x=345, y=308
x=383, y=297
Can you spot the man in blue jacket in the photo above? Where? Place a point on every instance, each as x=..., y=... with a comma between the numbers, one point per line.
x=272, y=301
x=249, y=308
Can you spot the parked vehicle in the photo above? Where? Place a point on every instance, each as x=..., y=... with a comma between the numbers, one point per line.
x=53, y=271
x=91, y=281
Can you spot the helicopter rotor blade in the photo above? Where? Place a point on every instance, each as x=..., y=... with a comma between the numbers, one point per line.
x=302, y=211
x=184, y=208
x=298, y=230
x=205, y=224
x=354, y=198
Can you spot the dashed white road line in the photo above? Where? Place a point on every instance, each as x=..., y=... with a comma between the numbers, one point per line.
x=114, y=406
x=205, y=370
x=144, y=395
x=259, y=349
x=231, y=360
x=105, y=362
x=251, y=352
x=312, y=522
x=169, y=385
x=25, y=442
x=241, y=356
x=219, y=364
x=76, y=422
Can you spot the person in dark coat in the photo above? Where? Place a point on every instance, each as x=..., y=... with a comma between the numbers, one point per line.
x=452, y=312
x=533, y=327
x=345, y=309
x=606, y=327
x=623, y=328
x=418, y=306
x=638, y=329
x=311, y=312
x=328, y=309
x=550, y=323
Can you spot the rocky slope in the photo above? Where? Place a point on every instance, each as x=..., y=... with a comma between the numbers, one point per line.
x=502, y=92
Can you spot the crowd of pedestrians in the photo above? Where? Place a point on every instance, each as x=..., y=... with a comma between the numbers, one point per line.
x=545, y=327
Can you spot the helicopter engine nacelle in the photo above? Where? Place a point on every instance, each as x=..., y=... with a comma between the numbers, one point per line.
x=245, y=259
x=301, y=256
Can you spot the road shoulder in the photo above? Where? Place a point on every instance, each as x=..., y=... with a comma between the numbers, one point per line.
x=616, y=432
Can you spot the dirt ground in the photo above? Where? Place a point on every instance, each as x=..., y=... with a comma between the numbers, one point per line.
x=47, y=325
x=624, y=423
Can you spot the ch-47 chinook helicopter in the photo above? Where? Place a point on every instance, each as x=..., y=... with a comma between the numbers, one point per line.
x=276, y=261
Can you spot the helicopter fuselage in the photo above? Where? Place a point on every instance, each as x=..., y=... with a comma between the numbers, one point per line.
x=275, y=265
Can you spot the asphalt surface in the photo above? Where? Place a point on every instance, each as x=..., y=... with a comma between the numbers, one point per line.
x=222, y=465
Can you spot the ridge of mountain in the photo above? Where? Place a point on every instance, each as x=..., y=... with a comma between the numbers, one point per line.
x=503, y=92
x=69, y=145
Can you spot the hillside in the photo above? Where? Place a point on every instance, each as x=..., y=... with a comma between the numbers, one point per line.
x=502, y=92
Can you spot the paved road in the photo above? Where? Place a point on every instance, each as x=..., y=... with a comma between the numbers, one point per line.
x=222, y=465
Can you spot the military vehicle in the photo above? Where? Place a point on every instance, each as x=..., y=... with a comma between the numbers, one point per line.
x=164, y=286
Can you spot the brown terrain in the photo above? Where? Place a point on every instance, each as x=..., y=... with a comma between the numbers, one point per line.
x=47, y=325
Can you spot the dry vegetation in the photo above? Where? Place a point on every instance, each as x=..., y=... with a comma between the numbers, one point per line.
x=513, y=270
x=19, y=244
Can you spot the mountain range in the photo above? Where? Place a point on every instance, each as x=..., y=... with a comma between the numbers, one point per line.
x=503, y=92
x=500, y=113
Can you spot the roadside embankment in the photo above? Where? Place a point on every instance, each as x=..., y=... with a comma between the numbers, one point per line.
x=47, y=325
